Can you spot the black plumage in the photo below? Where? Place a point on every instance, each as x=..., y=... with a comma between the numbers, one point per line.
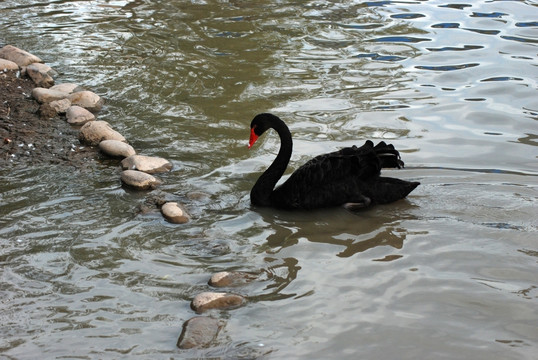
x=350, y=176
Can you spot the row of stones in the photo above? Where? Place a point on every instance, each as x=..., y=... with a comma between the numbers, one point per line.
x=79, y=106
x=201, y=331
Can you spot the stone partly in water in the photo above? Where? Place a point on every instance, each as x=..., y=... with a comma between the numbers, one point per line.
x=198, y=332
x=18, y=56
x=77, y=115
x=148, y=164
x=115, y=148
x=43, y=95
x=87, y=99
x=8, y=65
x=93, y=132
x=174, y=213
x=41, y=74
x=139, y=180
x=213, y=300
x=233, y=278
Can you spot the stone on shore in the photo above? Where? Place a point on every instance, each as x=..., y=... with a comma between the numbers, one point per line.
x=18, y=56
x=53, y=108
x=93, y=132
x=8, y=65
x=233, y=278
x=43, y=95
x=67, y=88
x=115, y=148
x=60, y=106
x=87, y=99
x=198, y=332
x=213, y=300
x=77, y=115
x=148, y=164
x=41, y=74
x=173, y=213
x=139, y=180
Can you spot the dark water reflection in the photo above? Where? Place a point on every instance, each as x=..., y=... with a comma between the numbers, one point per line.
x=450, y=272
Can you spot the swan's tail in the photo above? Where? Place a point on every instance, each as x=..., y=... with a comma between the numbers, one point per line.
x=386, y=190
x=388, y=155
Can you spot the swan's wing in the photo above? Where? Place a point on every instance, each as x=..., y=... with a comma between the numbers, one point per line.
x=329, y=178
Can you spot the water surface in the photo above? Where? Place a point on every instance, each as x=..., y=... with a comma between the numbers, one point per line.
x=450, y=272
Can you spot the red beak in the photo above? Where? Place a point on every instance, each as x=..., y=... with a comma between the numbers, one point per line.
x=253, y=138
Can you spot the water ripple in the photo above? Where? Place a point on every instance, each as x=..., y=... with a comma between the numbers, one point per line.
x=527, y=24
x=519, y=39
x=489, y=15
x=447, y=67
x=454, y=48
x=455, y=6
x=484, y=32
x=503, y=78
x=376, y=56
x=446, y=26
x=406, y=39
x=407, y=16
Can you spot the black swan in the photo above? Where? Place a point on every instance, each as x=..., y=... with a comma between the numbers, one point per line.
x=348, y=177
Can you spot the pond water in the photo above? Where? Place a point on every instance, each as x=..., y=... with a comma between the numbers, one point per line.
x=450, y=272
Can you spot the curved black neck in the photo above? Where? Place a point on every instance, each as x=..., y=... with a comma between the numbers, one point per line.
x=262, y=190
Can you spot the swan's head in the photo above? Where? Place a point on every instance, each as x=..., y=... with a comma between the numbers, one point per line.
x=260, y=124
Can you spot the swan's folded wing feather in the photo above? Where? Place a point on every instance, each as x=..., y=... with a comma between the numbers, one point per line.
x=331, y=173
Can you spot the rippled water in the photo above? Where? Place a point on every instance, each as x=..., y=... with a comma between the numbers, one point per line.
x=451, y=272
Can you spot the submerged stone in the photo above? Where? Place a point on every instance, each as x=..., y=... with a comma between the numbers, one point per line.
x=77, y=115
x=148, y=164
x=115, y=148
x=213, y=300
x=233, y=278
x=139, y=180
x=198, y=332
x=93, y=132
x=174, y=213
x=18, y=56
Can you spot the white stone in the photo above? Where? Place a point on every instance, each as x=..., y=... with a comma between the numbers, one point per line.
x=93, y=132
x=139, y=180
x=77, y=115
x=18, y=56
x=41, y=74
x=173, y=213
x=116, y=148
x=47, y=95
x=148, y=164
x=87, y=99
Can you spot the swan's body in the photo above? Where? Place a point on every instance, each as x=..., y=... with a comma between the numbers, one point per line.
x=350, y=176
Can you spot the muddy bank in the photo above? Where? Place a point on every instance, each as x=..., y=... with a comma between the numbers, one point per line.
x=26, y=138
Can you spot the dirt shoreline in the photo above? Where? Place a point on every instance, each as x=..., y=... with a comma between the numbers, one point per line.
x=26, y=138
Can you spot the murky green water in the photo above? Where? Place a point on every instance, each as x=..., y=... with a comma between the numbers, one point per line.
x=451, y=272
